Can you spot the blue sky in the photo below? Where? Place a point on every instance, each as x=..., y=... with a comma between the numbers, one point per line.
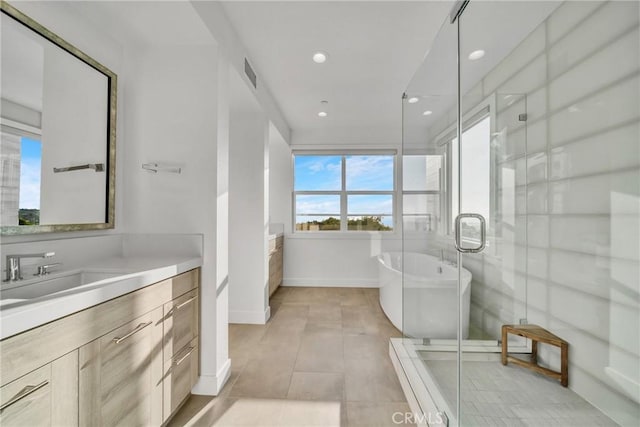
x=30, y=173
x=314, y=173
x=364, y=173
x=324, y=173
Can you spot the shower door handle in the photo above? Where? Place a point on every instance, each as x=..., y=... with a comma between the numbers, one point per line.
x=483, y=233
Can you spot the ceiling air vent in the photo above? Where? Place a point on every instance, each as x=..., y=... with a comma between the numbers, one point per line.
x=249, y=72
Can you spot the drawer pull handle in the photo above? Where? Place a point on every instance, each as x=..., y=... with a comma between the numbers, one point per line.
x=179, y=306
x=138, y=328
x=24, y=393
x=183, y=358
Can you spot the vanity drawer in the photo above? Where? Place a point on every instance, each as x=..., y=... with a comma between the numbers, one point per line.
x=184, y=282
x=181, y=374
x=27, y=400
x=180, y=323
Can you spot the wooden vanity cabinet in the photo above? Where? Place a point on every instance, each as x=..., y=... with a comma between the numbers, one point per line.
x=121, y=375
x=129, y=361
x=181, y=374
x=27, y=400
x=181, y=350
x=47, y=396
x=180, y=323
x=276, y=263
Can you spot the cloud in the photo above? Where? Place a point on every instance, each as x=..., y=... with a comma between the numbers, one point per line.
x=315, y=167
x=318, y=173
x=370, y=205
x=370, y=173
x=322, y=164
x=30, y=184
x=317, y=204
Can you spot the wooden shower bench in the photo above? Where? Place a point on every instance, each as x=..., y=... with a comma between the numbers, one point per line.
x=537, y=334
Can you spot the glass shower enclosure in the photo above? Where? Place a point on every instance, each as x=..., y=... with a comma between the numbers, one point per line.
x=520, y=205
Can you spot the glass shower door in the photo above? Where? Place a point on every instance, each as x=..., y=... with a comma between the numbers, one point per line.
x=492, y=227
x=427, y=260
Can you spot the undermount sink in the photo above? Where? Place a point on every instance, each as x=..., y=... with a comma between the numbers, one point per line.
x=54, y=285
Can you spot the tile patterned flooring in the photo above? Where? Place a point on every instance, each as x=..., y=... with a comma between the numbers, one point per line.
x=496, y=395
x=321, y=360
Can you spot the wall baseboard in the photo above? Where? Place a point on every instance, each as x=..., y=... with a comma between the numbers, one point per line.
x=211, y=385
x=249, y=317
x=330, y=283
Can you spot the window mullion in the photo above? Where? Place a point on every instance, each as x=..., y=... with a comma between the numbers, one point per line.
x=343, y=196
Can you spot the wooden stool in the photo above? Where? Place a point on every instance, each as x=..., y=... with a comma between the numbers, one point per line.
x=537, y=334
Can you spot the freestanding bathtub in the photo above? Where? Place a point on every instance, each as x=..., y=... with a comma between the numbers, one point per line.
x=429, y=300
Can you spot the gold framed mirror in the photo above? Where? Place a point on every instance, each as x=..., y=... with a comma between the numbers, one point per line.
x=58, y=129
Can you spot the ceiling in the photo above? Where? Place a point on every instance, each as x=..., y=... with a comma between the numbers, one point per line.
x=146, y=23
x=374, y=49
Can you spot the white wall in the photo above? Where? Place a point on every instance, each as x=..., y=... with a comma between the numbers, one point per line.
x=223, y=363
x=342, y=261
x=172, y=115
x=280, y=179
x=248, y=218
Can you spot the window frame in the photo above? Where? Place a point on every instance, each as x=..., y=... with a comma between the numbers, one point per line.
x=439, y=192
x=21, y=130
x=343, y=193
x=444, y=142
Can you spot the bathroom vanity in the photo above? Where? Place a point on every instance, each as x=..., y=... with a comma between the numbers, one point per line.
x=107, y=332
x=276, y=261
x=130, y=359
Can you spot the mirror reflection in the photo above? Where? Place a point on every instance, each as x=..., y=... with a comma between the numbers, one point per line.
x=57, y=139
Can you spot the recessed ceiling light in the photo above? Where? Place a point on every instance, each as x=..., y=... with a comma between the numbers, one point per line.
x=322, y=114
x=320, y=57
x=412, y=100
x=476, y=54
x=427, y=113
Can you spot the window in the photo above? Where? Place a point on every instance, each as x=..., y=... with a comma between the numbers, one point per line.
x=421, y=181
x=20, y=177
x=344, y=192
x=476, y=151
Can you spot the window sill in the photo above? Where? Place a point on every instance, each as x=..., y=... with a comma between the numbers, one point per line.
x=345, y=235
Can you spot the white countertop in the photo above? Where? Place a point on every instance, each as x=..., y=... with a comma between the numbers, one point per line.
x=19, y=315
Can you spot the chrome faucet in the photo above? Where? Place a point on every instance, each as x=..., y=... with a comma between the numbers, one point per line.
x=43, y=270
x=14, y=271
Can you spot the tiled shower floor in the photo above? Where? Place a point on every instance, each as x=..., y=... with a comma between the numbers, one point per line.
x=497, y=395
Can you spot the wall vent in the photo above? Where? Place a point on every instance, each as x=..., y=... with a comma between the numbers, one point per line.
x=250, y=73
